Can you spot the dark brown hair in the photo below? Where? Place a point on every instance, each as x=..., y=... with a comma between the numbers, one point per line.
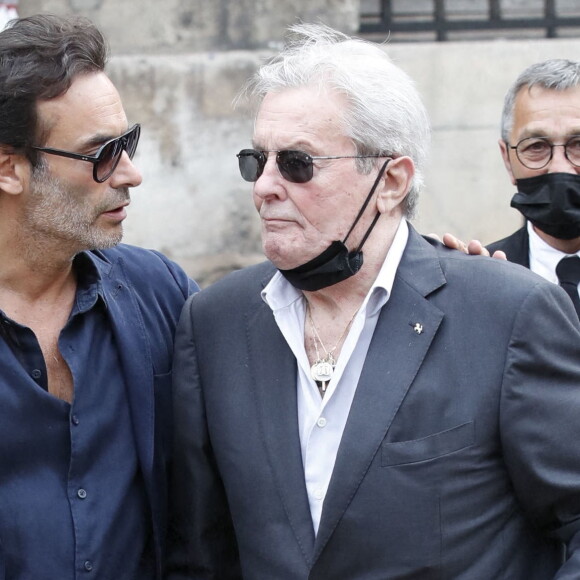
x=40, y=56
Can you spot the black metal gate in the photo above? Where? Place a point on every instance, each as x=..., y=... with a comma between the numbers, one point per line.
x=465, y=19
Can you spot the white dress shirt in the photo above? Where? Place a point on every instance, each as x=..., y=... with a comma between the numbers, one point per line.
x=322, y=421
x=543, y=257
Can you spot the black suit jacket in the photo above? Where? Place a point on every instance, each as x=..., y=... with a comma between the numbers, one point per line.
x=459, y=459
x=516, y=247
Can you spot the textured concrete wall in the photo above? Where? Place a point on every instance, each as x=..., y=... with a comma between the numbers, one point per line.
x=177, y=74
x=154, y=26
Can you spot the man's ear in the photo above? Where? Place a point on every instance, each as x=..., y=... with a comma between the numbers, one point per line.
x=505, y=155
x=396, y=184
x=13, y=169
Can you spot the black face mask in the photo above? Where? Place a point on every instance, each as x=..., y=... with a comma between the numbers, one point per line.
x=551, y=202
x=336, y=263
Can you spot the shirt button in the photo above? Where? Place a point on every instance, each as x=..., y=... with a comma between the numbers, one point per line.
x=321, y=422
x=82, y=493
x=88, y=565
x=74, y=420
x=318, y=494
x=36, y=373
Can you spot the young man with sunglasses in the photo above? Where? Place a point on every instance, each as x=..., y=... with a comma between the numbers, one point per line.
x=86, y=324
x=401, y=416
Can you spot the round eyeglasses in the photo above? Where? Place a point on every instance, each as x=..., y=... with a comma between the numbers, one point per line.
x=106, y=159
x=537, y=152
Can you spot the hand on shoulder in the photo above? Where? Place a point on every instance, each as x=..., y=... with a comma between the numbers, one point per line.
x=473, y=248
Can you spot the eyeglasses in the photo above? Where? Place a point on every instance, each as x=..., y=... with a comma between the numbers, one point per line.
x=537, y=152
x=106, y=159
x=295, y=166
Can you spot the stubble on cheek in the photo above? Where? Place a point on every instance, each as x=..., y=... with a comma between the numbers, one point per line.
x=60, y=212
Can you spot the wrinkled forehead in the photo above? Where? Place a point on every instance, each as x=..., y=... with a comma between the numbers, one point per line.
x=304, y=113
x=546, y=112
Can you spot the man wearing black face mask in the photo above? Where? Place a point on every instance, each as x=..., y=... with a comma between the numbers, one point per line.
x=540, y=146
x=405, y=415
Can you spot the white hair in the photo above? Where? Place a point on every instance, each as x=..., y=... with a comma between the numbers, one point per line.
x=385, y=114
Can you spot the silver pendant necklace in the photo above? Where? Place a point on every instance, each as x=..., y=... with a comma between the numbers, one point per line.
x=323, y=368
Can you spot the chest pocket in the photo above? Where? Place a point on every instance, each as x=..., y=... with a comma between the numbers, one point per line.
x=430, y=447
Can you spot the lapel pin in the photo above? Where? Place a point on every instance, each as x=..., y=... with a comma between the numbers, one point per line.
x=418, y=328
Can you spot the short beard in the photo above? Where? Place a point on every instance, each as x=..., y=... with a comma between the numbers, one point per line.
x=63, y=213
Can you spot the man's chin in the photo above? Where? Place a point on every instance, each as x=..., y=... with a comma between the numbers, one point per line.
x=105, y=242
x=279, y=255
x=286, y=255
x=285, y=262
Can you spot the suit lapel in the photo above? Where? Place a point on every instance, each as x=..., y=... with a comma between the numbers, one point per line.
x=274, y=386
x=403, y=335
x=516, y=247
x=519, y=250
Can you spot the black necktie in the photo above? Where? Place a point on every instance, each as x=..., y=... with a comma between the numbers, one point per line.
x=568, y=272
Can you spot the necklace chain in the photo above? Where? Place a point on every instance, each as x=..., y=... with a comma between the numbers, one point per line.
x=323, y=368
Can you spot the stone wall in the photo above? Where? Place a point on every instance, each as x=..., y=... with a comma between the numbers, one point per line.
x=180, y=26
x=178, y=66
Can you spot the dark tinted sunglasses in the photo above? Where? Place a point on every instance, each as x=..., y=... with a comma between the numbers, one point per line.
x=295, y=166
x=106, y=159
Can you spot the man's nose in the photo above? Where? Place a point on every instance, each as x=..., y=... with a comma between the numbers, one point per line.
x=270, y=183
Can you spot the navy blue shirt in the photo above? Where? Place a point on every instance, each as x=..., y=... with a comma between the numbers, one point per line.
x=76, y=474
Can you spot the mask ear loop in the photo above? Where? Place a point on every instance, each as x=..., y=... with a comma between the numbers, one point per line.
x=364, y=206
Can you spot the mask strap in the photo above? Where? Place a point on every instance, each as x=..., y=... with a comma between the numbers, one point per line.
x=364, y=206
x=375, y=220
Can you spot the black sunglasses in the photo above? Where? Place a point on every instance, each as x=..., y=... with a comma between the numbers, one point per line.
x=295, y=166
x=106, y=159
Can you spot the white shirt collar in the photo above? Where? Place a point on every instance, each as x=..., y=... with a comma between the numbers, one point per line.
x=543, y=257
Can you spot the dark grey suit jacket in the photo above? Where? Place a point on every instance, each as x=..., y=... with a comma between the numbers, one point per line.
x=460, y=458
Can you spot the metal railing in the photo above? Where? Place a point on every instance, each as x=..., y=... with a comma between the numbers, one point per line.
x=444, y=20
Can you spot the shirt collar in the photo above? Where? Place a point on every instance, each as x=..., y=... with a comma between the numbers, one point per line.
x=279, y=293
x=543, y=257
x=89, y=282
